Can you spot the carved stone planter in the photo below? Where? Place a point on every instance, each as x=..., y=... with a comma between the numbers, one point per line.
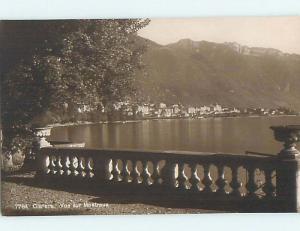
x=290, y=135
x=39, y=141
x=41, y=134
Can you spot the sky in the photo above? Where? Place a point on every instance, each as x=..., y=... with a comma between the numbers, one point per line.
x=282, y=33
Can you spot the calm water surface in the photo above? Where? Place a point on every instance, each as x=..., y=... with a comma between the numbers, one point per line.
x=228, y=135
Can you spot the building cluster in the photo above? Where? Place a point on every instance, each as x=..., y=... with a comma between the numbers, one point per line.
x=127, y=110
x=161, y=110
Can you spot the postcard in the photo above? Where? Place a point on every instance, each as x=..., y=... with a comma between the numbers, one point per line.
x=150, y=116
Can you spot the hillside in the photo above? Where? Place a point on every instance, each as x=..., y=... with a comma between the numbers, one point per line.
x=204, y=73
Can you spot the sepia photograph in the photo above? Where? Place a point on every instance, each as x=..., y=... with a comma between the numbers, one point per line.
x=150, y=116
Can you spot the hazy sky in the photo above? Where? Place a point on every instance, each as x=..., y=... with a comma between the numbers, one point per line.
x=282, y=33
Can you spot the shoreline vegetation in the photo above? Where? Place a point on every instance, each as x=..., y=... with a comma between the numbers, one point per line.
x=78, y=123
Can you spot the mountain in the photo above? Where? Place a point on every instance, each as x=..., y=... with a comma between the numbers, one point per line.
x=198, y=73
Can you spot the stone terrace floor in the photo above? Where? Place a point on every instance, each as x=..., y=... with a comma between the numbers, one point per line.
x=20, y=196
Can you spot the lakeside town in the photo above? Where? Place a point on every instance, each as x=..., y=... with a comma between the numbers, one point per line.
x=122, y=111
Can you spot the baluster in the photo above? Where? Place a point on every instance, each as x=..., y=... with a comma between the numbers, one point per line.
x=135, y=172
x=45, y=165
x=182, y=178
x=56, y=165
x=172, y=175
x=235, y=184
x=268, y=187
x=194, y=177
x=115, y=171
x=52, y=165
x=221, y=181
x=74, y=165
x=125, y=171
x=156, y=173
x=60, y=170
x=207, y=181
x=72, y=168
x=168, y=174
x=89, y=167
x=251, y=186
x=145, y=173
x=107, y=170
x=81, y=167
x=66, y=165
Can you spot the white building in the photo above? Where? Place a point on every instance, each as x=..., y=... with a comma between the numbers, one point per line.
x=162, y=105
x=144, y=110
x=191, y=110
x=217, y=108
x=176, y=109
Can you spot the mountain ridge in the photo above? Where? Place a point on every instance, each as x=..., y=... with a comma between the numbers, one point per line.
x=234, y=45
x=202, y=72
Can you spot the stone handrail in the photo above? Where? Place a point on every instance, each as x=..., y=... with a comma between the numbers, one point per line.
x=231, y=181
x=202, y=176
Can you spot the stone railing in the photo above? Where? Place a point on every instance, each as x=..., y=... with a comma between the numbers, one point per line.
x=227, y=181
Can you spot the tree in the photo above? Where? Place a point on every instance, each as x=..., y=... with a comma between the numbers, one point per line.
x=48, y=64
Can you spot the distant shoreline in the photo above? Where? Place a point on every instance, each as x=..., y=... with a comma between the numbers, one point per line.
x=164, y=118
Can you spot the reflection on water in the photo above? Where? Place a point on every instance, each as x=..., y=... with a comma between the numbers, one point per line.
x=231, y=135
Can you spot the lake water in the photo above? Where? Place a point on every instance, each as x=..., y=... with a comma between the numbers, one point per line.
x=227, y=135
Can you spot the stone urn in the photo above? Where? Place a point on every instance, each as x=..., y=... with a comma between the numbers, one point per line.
x=40, y=135
x=39, y=141
x=289, y=135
